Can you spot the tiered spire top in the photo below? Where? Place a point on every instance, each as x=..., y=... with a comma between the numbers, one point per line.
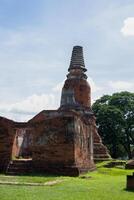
x=77, y=59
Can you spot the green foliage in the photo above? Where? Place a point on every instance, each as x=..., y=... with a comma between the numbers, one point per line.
x=115, y=121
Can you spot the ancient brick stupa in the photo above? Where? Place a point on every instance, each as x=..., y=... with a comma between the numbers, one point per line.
x=63, y=141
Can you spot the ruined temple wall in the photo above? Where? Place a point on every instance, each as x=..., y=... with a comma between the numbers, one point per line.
x=100, y=150
x=23, y=141
x=9, y=148
x=63, y=145
x=53, y=147
x=7, y=134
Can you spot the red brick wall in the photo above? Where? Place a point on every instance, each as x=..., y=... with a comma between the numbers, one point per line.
x=63, y=144
x=83, y=146
x=6, y=142
x=52, y=144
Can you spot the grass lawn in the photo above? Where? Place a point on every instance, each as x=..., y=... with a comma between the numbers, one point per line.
x=103, y=184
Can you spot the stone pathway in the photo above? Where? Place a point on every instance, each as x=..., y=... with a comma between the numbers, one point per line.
x=49, y=183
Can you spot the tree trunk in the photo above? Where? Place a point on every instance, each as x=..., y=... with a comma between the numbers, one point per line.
x=128, y=145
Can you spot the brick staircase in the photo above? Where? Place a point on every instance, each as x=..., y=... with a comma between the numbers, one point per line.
x=20, y=167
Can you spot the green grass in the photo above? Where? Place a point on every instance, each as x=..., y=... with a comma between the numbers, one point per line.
x=103, y=184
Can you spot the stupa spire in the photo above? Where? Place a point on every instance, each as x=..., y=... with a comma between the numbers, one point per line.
x=76, y=91
x=77, y=59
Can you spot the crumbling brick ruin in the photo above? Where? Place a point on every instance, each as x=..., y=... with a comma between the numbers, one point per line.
x=63, y=141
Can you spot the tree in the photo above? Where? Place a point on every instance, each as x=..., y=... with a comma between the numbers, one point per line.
x=115, y=121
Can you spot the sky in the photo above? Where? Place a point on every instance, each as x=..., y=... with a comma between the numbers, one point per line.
x=36, y=41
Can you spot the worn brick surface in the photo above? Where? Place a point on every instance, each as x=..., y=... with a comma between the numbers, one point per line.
x=6, y=141
x=82, y=91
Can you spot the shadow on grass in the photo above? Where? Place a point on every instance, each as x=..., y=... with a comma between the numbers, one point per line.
x=36, y=175
x=128, y=190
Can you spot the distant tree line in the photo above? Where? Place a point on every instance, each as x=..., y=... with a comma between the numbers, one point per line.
x=115, y=122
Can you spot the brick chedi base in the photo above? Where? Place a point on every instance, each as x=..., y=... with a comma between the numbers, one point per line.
x=100, y=151
x=60, y=147
x=63, y=141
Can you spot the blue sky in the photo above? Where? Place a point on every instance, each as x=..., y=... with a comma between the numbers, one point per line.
x=36, y=40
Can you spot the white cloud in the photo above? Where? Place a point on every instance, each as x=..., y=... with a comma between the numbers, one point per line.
x=121, y=85
x=21, y=37
x=35, y=103
x=94, y=88
x=28, y=107
x=58, y=87
x=128, y=28
x=96, y=91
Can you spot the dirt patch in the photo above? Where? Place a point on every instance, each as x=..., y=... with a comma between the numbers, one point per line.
x=49, y=183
